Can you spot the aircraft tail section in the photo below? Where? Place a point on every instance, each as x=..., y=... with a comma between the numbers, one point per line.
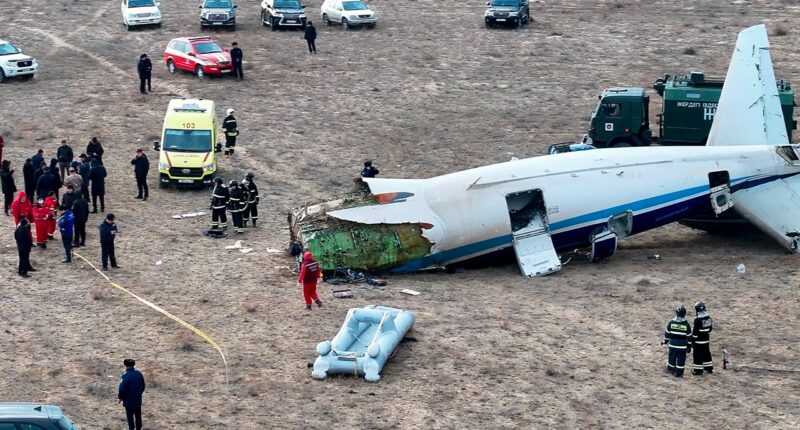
x=749, y=110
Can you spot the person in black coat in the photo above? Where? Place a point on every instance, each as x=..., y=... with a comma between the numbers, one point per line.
x=141, y=165
x=24, y=245
x=54, y=172
x=131, y=389
x=47, y=183
x=310, y=35
x=94, y=150
x=38, y=172
x=7, y=185
x=68, y=198
x=369, y=170
x=145, y=68
x=97, y=175
x=83, y=169
x=80, y=208
x=27, y=176
x=108, y=232
x=64, y=155
x=236, y=58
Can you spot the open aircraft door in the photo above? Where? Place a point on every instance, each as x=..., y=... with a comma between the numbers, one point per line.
x=720, y=191
x=533, y=245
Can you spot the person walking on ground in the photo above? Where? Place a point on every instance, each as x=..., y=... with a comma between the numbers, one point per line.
x=95, y=150
x=24, y=245
x=131, y=388
x=701, y=340
x=7, y=185
x=38, y=159
x=51, y=203
x=231, y=131
x=27, y=176
x=41, y=218
x=679, y=337
x=80, y=209
x=251, y=190
x=236, y=204
x=83, y=170
x=68, y=198
x=309, y=275
x=64, y=156
x=97, y=178
x=219, y=204
x=236, y=58
x=46, y=183
x=66, y=224
x=369, y=170
x=108, y=232
x=21, y=207
x=141, y=165
x=310, y=35
x=145, y=68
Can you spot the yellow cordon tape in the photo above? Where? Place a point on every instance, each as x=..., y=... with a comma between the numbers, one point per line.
x=194, y=329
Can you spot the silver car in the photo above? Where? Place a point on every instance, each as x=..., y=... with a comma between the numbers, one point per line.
x=34, y=416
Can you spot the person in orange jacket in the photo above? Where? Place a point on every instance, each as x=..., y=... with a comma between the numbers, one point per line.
x=309, y=274
x=21, y=207
x=51, y=203
x=41, y=218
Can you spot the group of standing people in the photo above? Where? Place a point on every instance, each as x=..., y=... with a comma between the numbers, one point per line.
x=241, y=200
x=682, y=338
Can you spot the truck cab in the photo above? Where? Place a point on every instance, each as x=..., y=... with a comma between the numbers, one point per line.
x=188, y=142
x=621, y=118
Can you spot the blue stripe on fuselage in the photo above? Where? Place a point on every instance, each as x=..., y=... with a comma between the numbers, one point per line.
x=566, y=238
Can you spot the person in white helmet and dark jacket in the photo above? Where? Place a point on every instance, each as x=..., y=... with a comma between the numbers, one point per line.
x=701, y=340
x=231, y=131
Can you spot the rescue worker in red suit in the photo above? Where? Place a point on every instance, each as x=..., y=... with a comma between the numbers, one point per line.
x=51, y=203
x=309, y=274
x=41, y=219
x=21, y=206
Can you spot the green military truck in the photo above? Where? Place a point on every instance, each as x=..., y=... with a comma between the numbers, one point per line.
x=622, y=116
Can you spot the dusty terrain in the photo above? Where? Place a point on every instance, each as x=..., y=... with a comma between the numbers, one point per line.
x=429, y=91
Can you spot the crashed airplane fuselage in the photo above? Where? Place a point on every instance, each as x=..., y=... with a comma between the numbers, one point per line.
x=560, y=202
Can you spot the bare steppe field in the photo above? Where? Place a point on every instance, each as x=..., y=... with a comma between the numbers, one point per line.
x=429, y=91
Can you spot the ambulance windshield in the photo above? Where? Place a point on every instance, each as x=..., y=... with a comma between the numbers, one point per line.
x=187, y=140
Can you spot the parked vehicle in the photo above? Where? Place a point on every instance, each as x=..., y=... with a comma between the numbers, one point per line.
x=187, y=154
x=215, y=13
x=140, y=12
x=33, y=416
x=13, y=63
x=283, y=13
x=505, y=12
x=199, y=55
x=348, y=13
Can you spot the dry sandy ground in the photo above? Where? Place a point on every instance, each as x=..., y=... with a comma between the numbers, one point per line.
x=429, y=91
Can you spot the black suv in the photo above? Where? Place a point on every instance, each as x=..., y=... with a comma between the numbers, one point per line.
x=505, y=12
x=33, y=416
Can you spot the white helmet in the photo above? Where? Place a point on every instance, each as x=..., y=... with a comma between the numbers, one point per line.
x=229, y=111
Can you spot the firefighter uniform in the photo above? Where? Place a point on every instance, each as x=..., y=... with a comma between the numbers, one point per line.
x=701, y=342
x=219, y=205
x=231, y=131
x=236, y=206
x=678, y=335
x=251, y=192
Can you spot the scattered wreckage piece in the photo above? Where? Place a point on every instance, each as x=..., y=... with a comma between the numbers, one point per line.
x=365, y=342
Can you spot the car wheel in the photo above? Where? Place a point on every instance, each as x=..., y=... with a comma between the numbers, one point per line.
x=129, y=27
x=345, y=24
x=519, y=23
x=326, y=20
x=622, y=143
x=158, y=25
x=275, y=24
x=264, y=18
x=163, y=185
x=171, y=66
x=488, y=24
x=371, y=26
x=199, y=72
x=2, y=76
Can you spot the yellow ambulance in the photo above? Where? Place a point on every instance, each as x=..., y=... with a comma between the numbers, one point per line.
x=188, y=140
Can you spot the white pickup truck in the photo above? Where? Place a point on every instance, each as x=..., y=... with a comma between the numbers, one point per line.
x=140, y=12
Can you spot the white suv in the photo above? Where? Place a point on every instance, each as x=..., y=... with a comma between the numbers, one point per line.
x=14, y=63
x=140, y=12
x=348, y=13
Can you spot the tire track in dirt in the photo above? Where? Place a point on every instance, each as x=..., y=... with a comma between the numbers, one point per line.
x=108, y=65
